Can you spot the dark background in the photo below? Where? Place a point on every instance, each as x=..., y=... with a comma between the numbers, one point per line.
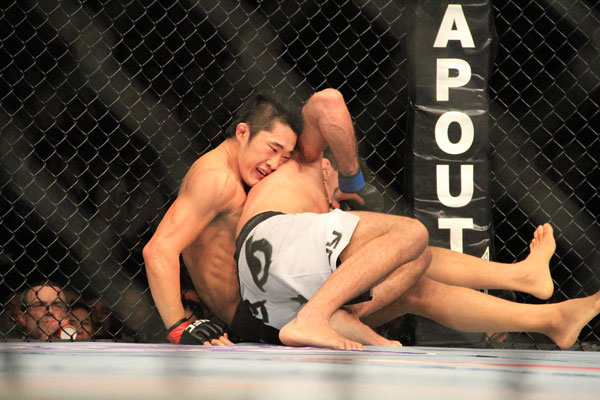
x=104, y=105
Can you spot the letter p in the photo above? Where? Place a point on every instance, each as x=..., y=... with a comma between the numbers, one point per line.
x=443, y=79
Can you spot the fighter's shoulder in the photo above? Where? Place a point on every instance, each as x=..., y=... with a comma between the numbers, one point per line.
x=218, y=180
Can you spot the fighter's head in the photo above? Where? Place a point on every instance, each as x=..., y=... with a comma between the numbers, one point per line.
x=266, y=128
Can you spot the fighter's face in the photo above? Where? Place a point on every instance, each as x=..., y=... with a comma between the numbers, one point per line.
x=265, y=152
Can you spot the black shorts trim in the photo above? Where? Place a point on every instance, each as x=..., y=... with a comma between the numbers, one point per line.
x=248, y=226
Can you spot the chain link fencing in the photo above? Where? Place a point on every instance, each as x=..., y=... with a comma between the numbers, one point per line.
x=104, y=106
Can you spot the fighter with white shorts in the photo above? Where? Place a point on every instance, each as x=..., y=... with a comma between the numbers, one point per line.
x=283, y=259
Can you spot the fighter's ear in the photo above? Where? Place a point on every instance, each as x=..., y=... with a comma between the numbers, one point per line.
x=326, y=166
x=242, y=132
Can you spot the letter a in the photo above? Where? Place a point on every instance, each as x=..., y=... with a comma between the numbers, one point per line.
x=454, y=16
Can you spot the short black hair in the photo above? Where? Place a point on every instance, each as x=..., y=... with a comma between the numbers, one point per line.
x=261, y=110
x=81, y=304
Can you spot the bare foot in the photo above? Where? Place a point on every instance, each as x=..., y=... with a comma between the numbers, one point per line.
x=351, y=327
x=309, y=333
x=572, y=316
x=373, y=338
x=537, y=280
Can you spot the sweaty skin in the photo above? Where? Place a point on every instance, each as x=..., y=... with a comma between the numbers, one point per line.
x=300, y=187
x=200, y=224
x=208, y=257
x=296, y=188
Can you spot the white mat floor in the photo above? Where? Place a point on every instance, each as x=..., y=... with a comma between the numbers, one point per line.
x=162, y=371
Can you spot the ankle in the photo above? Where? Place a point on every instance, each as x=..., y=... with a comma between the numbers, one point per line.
x=306, y=314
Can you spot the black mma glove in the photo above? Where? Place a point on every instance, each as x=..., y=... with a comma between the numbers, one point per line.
x=198, y=332
x=373, y=201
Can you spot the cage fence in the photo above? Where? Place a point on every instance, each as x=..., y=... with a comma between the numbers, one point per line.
x=104, y=106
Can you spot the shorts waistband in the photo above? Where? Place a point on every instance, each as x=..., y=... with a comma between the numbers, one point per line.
x=249, y=225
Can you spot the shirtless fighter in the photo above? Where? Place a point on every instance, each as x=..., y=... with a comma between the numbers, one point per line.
x=200, y=224
x=288, y=247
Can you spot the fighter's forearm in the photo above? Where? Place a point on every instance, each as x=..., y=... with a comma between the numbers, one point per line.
x=163, y=279
x=328, y=123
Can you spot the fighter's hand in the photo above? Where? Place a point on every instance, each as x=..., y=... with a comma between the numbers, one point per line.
x=200, y=332
x=356, y=194
x=366, y=199
x=222, y=341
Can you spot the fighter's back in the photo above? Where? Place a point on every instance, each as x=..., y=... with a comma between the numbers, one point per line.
x=293, y=188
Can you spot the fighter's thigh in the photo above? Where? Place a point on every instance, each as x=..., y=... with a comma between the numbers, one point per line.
x=375, y=225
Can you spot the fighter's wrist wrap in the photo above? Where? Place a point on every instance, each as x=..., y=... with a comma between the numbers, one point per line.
x=351, y=183
x=176, y=330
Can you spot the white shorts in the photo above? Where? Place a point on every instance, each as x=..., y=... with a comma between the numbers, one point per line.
x=283, y=259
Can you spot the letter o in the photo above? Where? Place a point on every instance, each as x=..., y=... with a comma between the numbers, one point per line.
x=466, y=130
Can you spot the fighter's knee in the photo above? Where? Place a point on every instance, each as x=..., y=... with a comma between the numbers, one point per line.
x=417, y=234
x=423, y=262
x=421, y=233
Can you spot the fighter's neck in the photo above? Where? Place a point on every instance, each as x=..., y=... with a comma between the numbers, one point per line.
x=229, y=150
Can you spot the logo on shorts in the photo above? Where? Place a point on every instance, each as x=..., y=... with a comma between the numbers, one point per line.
x=259, y=310
x=257, y=264
x=330, y=246
x=299, y=299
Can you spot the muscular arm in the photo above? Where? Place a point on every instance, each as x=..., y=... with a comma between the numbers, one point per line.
x=203, y=196
x=327, y=121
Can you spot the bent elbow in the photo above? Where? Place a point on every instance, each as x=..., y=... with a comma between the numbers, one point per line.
x=328, y=99
x=150, y=253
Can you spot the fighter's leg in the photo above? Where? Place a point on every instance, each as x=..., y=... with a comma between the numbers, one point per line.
x=394, y=285
x=531, y=275
x=472, y=311
x=380, y=244
x=354, y=333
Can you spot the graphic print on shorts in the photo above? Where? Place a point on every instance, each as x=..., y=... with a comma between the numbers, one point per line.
x=300, y=299
x=259, y=310
x=330, y=246
x=255, y=264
